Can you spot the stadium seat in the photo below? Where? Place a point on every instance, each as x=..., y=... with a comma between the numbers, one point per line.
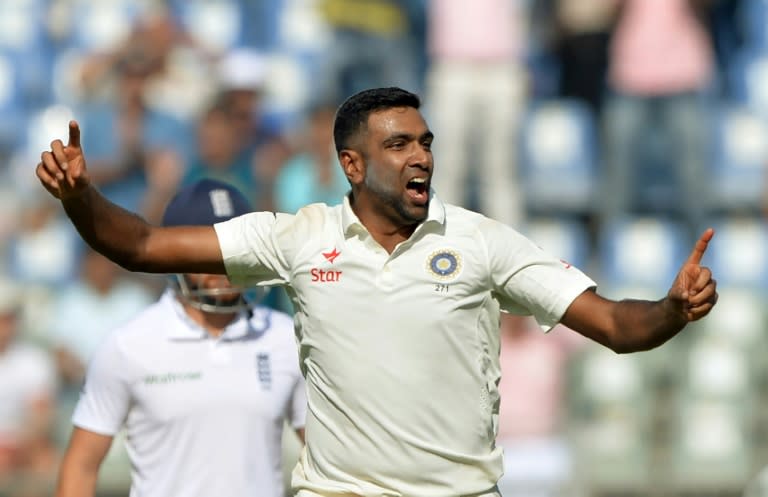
x=561, y=237
x=740, y=160
x=711, y=450
x=740, y=317
x=559, y=157
x=754, y=23
x=101, y=26
x=12, y=105
x=215, y=24
x=642, y=252
x=746, y=75
x=738, y=254
x=610, y=417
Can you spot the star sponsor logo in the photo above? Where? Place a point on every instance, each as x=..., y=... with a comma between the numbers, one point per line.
x=332, y=255
x=320, y=275
x=444, y=264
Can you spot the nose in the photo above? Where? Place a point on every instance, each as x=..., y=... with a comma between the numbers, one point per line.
x=421, y=156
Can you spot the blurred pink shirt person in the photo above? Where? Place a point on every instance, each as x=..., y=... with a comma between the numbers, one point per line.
x=532, y=375
x=486, y=31
x=537, y=459
x=477, y=87
x=660, y=47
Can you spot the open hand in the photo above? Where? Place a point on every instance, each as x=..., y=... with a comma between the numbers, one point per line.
x=694, y=292
x=62, y=169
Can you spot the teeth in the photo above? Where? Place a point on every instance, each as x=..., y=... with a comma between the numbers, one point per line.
x=419, y=180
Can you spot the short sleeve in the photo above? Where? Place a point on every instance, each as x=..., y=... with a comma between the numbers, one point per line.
x=106, y=395
x=528, y=281
x=250, y=250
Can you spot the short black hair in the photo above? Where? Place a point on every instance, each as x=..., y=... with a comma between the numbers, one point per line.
x=352, y=115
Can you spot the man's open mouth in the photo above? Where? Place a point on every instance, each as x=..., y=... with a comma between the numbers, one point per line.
x=418, y=190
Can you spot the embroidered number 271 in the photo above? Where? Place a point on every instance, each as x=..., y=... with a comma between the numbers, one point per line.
x=441, y=287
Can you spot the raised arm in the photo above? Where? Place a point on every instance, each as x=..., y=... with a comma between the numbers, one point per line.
x=634, y=325
x=121, y=235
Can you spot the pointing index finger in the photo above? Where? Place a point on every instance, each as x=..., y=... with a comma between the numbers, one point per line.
x=701, y=246
x=74, y=134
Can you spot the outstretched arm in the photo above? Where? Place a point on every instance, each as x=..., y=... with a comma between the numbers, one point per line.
x=121, y=235
x=634, y=325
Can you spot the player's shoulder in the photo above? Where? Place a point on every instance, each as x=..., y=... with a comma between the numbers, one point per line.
x=316, y=216
x=462, y=221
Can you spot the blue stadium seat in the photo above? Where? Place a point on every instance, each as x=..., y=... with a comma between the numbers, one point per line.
x=12, y=105
x=738, y=254
x=641, y=252
x=754, y=22
x=559, y=157
x=747, y=74
x=740, y=160
x=217, y=25
x=561, y=237
x=101, y=26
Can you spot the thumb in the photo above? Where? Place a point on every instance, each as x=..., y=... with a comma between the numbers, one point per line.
x=678, y=293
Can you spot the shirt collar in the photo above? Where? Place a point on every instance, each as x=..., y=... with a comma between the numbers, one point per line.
x=352, y=224
x=184, y=328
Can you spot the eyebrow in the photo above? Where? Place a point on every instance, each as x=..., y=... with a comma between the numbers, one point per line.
x=408, y=137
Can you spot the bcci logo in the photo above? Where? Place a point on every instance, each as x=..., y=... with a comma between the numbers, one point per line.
x=444, y=264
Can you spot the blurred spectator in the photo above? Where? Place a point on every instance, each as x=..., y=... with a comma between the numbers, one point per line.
x=373, y=45
x=219, y=156
x=233, y=142
x=580, y=34
x=27, y=390
x=103, y=297
x=242, y=74
x=661, y=71
x=537, y=459
x=43, y=249
x=130, y=108
x=476, y=94
x=83, y=312
x=312, y=174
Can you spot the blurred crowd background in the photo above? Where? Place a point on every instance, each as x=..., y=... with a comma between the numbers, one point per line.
x=609, y=131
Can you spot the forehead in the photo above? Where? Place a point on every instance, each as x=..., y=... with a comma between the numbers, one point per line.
x=396, y=120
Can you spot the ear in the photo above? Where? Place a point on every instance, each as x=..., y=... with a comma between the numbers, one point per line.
x=353, y=164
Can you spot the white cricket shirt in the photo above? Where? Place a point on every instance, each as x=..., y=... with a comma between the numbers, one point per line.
x=400, y=351
x=204, y=415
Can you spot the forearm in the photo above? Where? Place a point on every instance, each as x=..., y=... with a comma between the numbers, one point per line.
x=108, y=228
x=643, y=325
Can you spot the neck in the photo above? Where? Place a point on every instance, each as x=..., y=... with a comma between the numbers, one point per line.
x=387, y=231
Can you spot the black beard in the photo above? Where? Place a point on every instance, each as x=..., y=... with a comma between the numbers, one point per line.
x=395, y=204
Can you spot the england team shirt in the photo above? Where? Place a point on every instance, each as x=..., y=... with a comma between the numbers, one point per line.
x=400, y=351
x=204, y=415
